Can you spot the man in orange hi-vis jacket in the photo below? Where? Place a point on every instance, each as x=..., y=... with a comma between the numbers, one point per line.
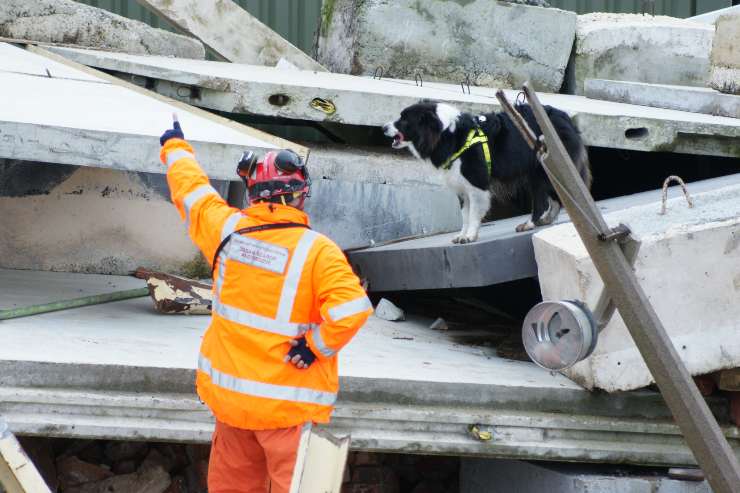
x=285, y=301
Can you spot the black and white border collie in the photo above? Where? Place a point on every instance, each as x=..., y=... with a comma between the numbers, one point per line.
x=436, y=131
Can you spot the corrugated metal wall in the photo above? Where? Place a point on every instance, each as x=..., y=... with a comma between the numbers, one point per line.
x=297, y=20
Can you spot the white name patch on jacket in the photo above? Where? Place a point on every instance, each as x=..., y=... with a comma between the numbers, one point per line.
x=258, y=253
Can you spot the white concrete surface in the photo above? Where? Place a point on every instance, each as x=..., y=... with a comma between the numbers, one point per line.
x=681, y=98
x=231, y=32
x=505, y=476
x=123, y=371
x=19, y=288
x=83, y=120
x=364, y=101
x=689, y=266
x=640, y=48
x=725, y=71
x=65, y=21
x=495, y=44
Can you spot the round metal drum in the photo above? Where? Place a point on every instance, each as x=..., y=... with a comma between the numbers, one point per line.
x=559, y=334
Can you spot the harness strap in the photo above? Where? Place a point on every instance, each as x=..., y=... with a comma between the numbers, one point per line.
x=252, y=229
x=475, y=136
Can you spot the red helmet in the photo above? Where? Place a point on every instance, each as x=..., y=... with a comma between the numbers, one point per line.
x=280, y=173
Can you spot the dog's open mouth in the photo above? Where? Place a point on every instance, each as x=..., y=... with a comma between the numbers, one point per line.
x=398, y=141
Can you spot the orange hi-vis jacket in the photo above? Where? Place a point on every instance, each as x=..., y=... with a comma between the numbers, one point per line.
x=270, y=287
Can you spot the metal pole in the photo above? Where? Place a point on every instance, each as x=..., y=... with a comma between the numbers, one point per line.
x=689, y=409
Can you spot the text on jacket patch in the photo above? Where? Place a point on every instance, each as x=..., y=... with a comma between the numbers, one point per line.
x=259, y=254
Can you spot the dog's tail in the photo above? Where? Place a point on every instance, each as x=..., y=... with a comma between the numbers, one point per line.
x=583, y=165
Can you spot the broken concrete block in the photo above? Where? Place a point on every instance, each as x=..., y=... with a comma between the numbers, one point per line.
x=493, y=44
x=73, y=471
x=682, y=98
x=439, y=324
x=68, y=22
x=687, y=266
x=231, y=32
x=729, y=380
x=711, y=17
x=388, y=311
x=725, y=72
x=151, y=480
x=640, y=48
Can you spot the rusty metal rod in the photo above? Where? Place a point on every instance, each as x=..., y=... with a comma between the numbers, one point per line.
x=698, y=425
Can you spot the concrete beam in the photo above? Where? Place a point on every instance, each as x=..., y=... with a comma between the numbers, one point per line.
x=681, y=98
x=122, y=371
x=36, y=124
x=640, y=48
x=65, y=21
x=363, y=101
x=500, y=255
x=231, y=32
x=503, y=476
x=673, y=259
x=494, y=44
x=711, y=17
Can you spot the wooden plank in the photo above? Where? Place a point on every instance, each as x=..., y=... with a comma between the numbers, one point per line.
x=17, y=473
x=231, y=32
x=321, y=461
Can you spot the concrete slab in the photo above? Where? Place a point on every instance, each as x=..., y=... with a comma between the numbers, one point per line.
x=20, y=288
x=231, y=32
x=65, y=21
x=494, y=44
x=503, y=476
x=640, y=48
x=725, y=57
x=681, y=98
x=711, y=17
x=500, y=255
x=690, y=255
x=38, y=125
x=122, y=371
x=363, y=101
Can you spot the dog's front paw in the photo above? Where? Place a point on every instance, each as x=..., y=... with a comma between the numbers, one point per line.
x=457, y=239
x=467, y=239
x=525, y=227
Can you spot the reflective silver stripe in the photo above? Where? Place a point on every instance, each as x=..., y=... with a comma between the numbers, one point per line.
x=190, y=199
x=320, y=344
x=230, y=224
x=173, y=156
x=265, y=390
x=255, y=321
x=350, y=308
x=293, y=276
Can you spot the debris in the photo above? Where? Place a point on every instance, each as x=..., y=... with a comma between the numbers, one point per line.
x=388, y=311
x=73, y=471
x=729, y=380
x=152, y=480
x=725, y=74
x=706, y=384
x=65, y=21
x=483, y=435
x=173, y=294
x=640, y=48
x=435, y=41
x=231, y=32
x=439, y=324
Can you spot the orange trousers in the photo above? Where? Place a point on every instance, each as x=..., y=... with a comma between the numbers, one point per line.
x=247, y=461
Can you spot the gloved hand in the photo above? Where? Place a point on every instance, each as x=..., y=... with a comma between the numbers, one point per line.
x=300, y=354
x=174, y=133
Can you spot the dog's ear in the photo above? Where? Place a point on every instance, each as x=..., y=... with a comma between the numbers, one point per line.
x=429, y=133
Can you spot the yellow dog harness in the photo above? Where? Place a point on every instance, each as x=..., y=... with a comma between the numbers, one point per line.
x=475, y=136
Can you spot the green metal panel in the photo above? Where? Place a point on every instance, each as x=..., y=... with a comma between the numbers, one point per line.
x=295, y=20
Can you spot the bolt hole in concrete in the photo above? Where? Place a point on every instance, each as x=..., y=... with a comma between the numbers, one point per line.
x=636, y=133
x=279, y=99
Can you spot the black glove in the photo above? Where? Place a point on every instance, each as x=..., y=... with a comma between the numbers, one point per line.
x=174, y=133
x=303, y=351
